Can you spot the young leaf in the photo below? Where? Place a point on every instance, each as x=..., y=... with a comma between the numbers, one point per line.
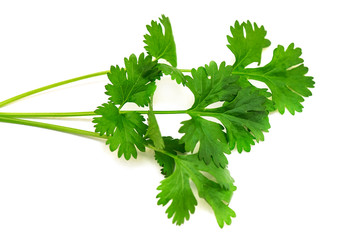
x=285, y=75
x=159, y=44
x=176, y=188
x=135, y=84
x=125, y=130
x=247, y=47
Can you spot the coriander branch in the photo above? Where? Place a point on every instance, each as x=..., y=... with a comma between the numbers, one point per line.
x=210, y=133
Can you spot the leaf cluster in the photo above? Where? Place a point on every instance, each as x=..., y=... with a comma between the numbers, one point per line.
x=239, y=121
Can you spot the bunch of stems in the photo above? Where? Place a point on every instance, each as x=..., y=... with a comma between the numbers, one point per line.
x=21, y=117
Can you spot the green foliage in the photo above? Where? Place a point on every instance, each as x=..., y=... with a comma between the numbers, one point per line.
x=211, y=84
x=125, y=130
x=244, y=114
x=135, y=84
x=228, y=113
x=166, y=161
x=161, y=44
x=176, y=188
x=247, y=47
x=286, y=77
x=285, y=74
x=212, y=139
x=245, y=118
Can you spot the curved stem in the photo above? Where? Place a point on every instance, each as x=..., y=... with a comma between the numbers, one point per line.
x=78, y=114
x=41, y=89
x=52, y=127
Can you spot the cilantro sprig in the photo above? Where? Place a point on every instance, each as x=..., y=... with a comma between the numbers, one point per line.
x=200, y=156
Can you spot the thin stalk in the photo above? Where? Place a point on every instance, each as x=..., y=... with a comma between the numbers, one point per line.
x=54, y=127
x=45, y=114
x=77, y=114
x=41, y=89
x=185, y=70
x=69, y=130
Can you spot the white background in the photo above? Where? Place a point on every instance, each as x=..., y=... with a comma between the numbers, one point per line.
x=60, y=186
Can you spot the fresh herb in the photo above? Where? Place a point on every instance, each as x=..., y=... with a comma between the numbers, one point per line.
x=211, y=133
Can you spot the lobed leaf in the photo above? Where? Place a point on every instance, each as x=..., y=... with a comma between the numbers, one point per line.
x=135, y=83
x=211, y=84
x=244, y=114
x=212, y=139
x=247, y=43
x=245, y=118
x=177, y=190
x=125, y=130
x=159, y=44
x=285, y=75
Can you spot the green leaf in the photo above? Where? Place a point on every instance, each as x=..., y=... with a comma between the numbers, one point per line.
x=245, y=118
x=247, y=43
x=167, y=163
x=159, y=44
x=210, y=135
x=125, y=130
x=211, y=84
x=244, y=114
x=175, y=73
x=244, y=83
x=285, y=75
x=217, y=199
x=135, y=83
x=106, y=124
x=176, y=188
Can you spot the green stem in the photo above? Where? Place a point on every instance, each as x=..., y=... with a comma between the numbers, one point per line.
x=52, y=127
x=165, y=112
x=46, y=115
x=78, y=114
x=185, y=70
x=69, y=130
x=41, y=89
